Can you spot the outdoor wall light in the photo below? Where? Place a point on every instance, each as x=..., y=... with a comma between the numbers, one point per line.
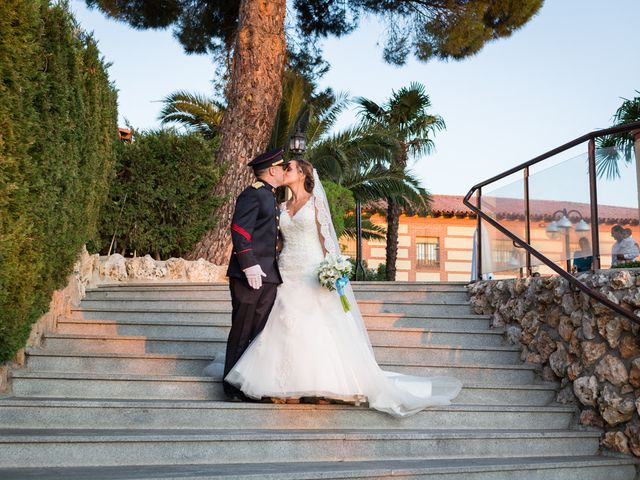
x=297, y=143
x=582, y=228
x=564, y=223
x=552, y=230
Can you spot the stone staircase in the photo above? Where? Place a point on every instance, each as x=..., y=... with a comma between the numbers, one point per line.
x=117, y=393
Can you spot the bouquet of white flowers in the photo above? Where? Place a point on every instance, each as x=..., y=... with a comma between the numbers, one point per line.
x=333, y=274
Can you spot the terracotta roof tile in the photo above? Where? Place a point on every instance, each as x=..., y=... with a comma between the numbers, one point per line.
x=452, y=204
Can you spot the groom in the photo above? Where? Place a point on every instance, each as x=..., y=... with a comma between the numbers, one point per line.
x=253, y=272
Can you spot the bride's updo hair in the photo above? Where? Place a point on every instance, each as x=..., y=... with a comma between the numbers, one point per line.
x=306, y=169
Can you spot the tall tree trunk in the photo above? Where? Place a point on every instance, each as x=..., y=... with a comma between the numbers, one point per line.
x=393, y=218
x=393, y=221
x=254, y=95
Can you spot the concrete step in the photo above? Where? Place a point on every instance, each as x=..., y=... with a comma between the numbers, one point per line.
x=193, y=365
x=157, y=328
x=28, y=383
x=222, y=295
x=406, y=337
x=459, y=322
x=414, y=337
x=177, y=304
x=168, y=315
x=112, y=413
x=380, y=319
x=59, y=448
x=412, y=286
x=357, y=286
x=414, y=308
x=455, y=296
x=137, y=355
x=151, y=293
x=482, y=373
x=64, y=342
x=220, y=328
x=47, y=359
x=522, y=468
x=427, y=307
x=587, y=468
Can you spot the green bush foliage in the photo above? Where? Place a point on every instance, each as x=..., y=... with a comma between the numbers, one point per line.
x=370, y=274
x=58, y=130
x=632, y=264
x=159, y=200
x=340, y=201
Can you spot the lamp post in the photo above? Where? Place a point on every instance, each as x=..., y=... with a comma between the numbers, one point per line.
x=563, y=226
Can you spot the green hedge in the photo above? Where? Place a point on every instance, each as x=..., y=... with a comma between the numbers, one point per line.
x=58, y=130
x=160, y=202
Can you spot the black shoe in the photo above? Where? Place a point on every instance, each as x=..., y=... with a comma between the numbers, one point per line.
x=236, y=397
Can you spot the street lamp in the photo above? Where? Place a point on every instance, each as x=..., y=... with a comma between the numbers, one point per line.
x=297, y=143
x=563, y=226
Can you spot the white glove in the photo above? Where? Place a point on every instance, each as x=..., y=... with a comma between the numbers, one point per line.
x=254, y=276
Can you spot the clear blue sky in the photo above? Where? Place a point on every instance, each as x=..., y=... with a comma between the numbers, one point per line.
x=559, y=77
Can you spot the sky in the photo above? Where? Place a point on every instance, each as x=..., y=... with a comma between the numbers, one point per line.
x=562, y=75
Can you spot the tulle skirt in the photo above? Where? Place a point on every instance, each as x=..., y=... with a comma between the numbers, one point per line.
x=311, y=348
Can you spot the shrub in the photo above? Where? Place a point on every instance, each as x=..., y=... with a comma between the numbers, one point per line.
x=371, y=275
x=340, y=201
x=159, y=200
x=633, y=264
x=57, y=135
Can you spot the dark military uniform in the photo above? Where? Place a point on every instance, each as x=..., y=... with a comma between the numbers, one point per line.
x=255, y=232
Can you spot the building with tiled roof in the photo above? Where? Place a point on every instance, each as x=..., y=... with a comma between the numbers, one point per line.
x=438, y=246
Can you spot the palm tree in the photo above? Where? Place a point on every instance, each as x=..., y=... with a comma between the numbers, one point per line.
x=613, y=148
x=404, y=118
x=194, y=111
x=356, y=158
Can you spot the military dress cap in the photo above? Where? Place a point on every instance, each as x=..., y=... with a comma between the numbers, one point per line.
x=268, y=159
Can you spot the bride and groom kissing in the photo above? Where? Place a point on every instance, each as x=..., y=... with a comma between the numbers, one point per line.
x=290, y=337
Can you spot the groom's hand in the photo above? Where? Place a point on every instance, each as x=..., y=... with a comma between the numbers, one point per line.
x=254, y=276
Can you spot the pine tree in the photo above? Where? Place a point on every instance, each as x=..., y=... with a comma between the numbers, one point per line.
x=252, y=34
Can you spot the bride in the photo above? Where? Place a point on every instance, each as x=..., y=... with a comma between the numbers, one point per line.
x=309, y=346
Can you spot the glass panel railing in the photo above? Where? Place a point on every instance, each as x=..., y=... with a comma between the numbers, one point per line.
x=559, y=213
x=505, y=205
x=501, y=259
x=618, y=205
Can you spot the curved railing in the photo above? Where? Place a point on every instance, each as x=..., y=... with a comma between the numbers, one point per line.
x=525, y=243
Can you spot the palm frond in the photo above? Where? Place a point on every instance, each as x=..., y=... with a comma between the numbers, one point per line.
x=614, y=148
x=369, y=111
x=607, y=158
x=324, y=117
x=194, y=111
x=370, y=230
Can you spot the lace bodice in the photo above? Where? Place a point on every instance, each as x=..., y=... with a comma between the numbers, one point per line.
x=302, y=251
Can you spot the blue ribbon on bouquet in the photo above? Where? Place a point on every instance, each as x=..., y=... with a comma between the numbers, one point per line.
x=340, y=284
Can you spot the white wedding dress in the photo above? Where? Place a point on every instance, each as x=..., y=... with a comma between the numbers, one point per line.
x=311, y=348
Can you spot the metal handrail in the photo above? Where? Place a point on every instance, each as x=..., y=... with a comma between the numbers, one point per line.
x=525, y=244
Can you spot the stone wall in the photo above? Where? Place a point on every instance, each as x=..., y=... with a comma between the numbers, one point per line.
x=117, y=268
x=575, y=340
x=93, y=270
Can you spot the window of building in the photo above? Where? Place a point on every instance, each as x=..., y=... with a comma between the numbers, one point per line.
x=427, y=252
x=502, y=251
x=506, y=255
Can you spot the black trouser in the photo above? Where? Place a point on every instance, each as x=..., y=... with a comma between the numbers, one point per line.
x=250, y=312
